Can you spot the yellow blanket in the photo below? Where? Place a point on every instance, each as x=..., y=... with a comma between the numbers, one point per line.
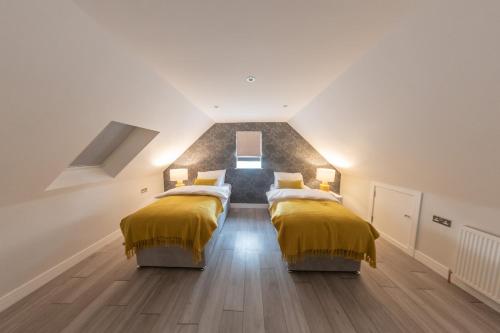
x=184, y=220
x=315, y=227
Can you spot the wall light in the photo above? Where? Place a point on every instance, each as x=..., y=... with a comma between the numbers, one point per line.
x=179, y=176
x=337, y=160
x=326, y=176
x=166, y=158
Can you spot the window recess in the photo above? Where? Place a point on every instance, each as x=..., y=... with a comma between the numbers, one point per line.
x=111, y=150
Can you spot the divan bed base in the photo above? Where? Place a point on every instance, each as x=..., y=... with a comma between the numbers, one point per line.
x=176, y=256
x=326, y=264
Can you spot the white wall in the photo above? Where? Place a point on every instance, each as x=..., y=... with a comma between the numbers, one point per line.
x=63, y=79
x=421, y=110
x=38, y=234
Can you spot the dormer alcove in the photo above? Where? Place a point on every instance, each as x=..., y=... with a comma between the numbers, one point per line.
x=106, y=155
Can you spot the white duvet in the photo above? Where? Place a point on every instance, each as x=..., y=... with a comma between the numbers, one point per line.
x=221, y=192
x=276, y=195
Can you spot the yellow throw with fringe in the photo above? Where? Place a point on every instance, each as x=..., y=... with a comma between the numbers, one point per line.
x=182, y=220
x=316, y=227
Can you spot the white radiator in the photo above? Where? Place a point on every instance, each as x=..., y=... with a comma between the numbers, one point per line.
x=478, y=261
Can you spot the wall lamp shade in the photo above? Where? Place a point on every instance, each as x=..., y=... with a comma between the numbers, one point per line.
x=178, y=175
x=325, y=176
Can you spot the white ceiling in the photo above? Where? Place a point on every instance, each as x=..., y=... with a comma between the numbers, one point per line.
x=206, y=49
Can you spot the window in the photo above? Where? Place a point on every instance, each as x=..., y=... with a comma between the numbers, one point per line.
x=243, y=163
x=248, y=150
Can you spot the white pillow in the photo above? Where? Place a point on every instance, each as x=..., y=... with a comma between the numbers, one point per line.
x=220, y=175
x=287, y=176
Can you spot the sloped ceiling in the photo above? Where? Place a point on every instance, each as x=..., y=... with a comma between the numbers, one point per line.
x=206, y=49
x=421, y=109
x=417, y=106
x=62, y=80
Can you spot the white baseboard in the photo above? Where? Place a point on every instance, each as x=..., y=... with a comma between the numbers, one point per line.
x=248, y=205
x=38, y=281
x=432, y=264
x=485, y=299
x=443, y=271
x=397, y=244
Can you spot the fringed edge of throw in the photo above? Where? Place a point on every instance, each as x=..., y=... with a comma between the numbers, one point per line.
x=347, y=254
x=131, y=249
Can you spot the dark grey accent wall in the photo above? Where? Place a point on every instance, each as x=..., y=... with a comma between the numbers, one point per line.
x=283, y=149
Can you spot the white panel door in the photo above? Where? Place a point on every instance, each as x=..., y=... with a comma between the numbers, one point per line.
x=395, y=214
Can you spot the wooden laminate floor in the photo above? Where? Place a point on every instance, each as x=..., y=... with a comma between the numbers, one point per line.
x=247, y=288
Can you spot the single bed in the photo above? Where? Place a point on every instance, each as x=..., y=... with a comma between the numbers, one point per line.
x=317, y=233
x=180, y=229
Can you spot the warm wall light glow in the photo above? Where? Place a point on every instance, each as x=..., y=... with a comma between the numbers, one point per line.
x=165, y=159
x=337, y=160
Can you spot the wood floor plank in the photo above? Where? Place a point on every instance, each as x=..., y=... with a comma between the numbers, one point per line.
x=141, y=323
x=134, y=288
x=455, y=312
x=489, y=315
x=75, y=287
x=133, y=306
x=199, y=296
x=46, y=319
x=377, y=275
x=163, y=295
x=357, y=315
x=313, y=310
x=177, y=302
x=214, y=306
x=437, y=282
x=253, y=318
x=338, y=319
x=294, y=314
x=186, y=328
x=274, y=318
x=417, y=312
x=231, y=322
x=103, y=319
x=91, y=310
x=92, y=265
x=382, y=310
x=235, y=292
x=107, y=293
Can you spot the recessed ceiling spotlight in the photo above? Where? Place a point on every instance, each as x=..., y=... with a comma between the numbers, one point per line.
x=250, y=79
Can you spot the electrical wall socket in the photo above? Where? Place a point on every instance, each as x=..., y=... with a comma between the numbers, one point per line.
x=441, y=220
x=144, y=190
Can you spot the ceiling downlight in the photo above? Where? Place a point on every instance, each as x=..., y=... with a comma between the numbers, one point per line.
x=250, y=79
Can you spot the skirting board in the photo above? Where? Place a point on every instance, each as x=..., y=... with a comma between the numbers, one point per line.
x=248, y=205
x=486, y=300
x=432, y=264
x=409, y=251
x=35, y=283
x=443, y=271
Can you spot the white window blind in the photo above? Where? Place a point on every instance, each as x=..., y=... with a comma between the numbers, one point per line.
x=248, y=150
x=249, y=144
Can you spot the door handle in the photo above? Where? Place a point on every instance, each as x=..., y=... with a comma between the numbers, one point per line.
x=407, y=216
